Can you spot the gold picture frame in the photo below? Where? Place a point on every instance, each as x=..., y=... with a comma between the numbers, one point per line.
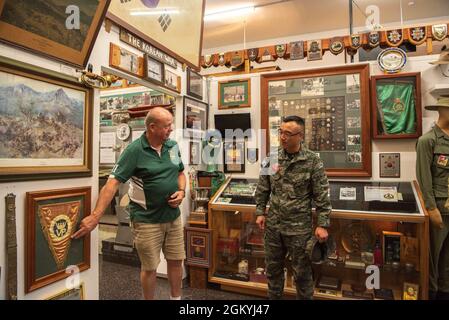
x=52, y=216
x=70, y=294
x=57, y=110
x=47, y=33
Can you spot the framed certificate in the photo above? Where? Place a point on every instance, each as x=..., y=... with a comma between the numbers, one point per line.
x=390, y=165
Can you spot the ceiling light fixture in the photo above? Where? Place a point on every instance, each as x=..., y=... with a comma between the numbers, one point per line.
x=154, y=12
x=218, y=15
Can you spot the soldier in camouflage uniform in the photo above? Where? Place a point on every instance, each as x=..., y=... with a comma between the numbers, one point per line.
x=432, y=172
x=293, y=182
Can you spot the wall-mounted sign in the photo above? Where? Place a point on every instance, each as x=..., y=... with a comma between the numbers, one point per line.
x=155, y=53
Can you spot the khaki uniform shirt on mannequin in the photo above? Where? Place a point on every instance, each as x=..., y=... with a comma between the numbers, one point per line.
x=432, y=168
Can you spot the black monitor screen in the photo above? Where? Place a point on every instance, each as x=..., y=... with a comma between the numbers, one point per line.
x=232, y=121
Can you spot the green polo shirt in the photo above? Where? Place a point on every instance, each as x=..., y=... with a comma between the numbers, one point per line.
x=153, y=179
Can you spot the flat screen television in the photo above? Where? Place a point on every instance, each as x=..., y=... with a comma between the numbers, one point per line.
x=232, y=121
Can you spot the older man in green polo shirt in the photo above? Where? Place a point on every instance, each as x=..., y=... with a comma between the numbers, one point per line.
x=153, y=165
x=432, y=172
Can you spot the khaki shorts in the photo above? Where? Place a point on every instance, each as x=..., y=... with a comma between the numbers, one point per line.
x=150, y=238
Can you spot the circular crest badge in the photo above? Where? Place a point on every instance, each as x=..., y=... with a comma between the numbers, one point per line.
x=392, y=60
x=123, y=131
x=60, y=227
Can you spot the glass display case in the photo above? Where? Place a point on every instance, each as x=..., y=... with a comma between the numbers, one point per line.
x=378, y=226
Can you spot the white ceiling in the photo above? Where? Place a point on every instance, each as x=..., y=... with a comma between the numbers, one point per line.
x=283, y=18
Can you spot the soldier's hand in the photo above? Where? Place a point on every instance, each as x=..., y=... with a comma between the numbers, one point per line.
x=261, y=222
x=321, y=234
x=87, y=225
x=435, y=218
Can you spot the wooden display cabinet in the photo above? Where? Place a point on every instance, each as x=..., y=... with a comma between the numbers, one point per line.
x=400, y=228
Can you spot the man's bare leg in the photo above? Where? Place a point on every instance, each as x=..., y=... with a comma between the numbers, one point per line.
x=174, y=273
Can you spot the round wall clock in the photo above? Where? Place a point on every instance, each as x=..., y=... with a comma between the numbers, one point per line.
x=123, y=131
x=392, y=60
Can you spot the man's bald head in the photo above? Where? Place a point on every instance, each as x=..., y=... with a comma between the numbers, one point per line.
x=156, y=115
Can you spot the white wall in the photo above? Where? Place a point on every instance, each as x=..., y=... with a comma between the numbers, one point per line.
x=90, y=276
x=430, y=75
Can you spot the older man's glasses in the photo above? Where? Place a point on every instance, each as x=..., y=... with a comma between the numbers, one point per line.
x=287, y=134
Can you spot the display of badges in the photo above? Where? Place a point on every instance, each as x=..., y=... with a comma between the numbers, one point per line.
x=392, y=60
x=355, y=41
x=394, y=37
x=336, y=45
x=237, y=58
x=280, y=50
x=123, y=131
x=252, y=54
x=221, y=59
x=314, y=51
x=296, y=50
x=417, y=35
x=266, y=55
x=373, y=39
x=208, y=60
x=439, y=31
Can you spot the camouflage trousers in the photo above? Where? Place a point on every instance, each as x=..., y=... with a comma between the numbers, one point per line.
x=277, y=246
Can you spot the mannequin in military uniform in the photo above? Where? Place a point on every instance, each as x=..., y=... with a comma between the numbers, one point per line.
x=432, y=172
x=293, y=181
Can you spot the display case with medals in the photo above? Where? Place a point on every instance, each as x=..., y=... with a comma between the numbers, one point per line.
x=334, y=103
x=396, y=106
x=374, y=225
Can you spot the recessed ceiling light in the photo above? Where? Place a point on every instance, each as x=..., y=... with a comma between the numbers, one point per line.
x=411, y=3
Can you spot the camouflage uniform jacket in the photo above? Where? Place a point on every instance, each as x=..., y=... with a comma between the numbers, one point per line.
x=293, y=184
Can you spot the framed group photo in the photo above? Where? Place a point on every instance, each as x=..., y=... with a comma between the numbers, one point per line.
x=126, y=61
x=46, y=132
x=154, y=70
x=396, y=106
x=199, y=249
x=195, y=118
x=234, y=94
x=52, y=216
x=194, y=84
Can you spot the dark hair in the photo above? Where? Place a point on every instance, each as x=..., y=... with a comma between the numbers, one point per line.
x=300, y=121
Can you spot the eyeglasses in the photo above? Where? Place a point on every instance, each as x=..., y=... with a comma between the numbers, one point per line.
x=287, y=133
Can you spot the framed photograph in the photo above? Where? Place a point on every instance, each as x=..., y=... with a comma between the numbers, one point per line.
x=125, y=60
x=396, y=106
x=234, y=157
x=348, y=193
x=195, y=152
x=390, y=165
x=234, y=94
x=199, y=249
x=154, y=70
x=178, y=34
x=47, y=33
x=194, y=84
x=411, y=291
x=70, y=294
x=335, y=105
x=391, y=246
x=45, y=126
x=172, y=80
x=52, y=216
x=195, y=118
